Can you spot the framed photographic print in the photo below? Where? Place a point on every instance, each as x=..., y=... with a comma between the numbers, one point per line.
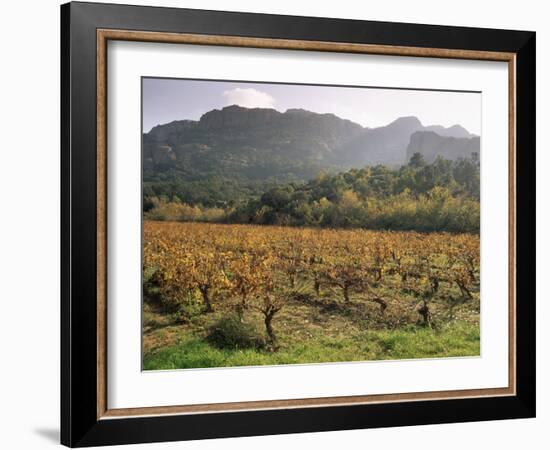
x=276, y=224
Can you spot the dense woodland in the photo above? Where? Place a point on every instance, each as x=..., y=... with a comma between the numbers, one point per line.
x=438, y=196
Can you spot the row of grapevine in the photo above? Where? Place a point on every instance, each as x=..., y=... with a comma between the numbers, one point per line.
x=246, y=266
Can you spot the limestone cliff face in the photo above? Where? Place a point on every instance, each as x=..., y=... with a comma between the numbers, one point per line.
x=237, y=117
x=431, y=144
x=292, y=125
x=162, y=134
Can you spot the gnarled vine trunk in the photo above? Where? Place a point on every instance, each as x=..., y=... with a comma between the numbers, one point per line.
x=345, y=288
x=269, y=329
x=317, y=287
x=426, y=315
x=382, y=303
x=269, y=312
x=206, y=298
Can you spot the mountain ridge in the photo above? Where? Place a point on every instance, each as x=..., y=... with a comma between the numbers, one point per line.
x=455, y=130
x=296, y=144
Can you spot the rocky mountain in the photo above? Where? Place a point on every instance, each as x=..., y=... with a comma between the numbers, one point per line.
x=455, y=131
x=383, y=145
x=259, y=143
x=431, y=145
x=253, y=142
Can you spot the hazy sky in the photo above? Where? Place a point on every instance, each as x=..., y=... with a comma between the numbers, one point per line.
x=165, y=100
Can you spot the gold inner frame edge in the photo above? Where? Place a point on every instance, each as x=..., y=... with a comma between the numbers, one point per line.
x=103, y=36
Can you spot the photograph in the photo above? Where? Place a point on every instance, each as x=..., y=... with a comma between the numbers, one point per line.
x=283, y=223
x=299, y=224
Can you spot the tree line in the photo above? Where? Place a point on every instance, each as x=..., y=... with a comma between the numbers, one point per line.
x=440, y=196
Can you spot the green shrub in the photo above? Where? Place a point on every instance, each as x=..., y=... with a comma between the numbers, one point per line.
x=161, y=209
x=188, y=309
x=231, y=333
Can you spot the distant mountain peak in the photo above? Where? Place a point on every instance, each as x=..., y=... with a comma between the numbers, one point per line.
x=239, y=108
x=298, y=111
x=456, y=126
x=406, y=121
x=236, y=116
x=456, y=130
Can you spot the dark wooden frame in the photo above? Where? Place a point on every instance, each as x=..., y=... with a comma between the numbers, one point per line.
x=85, y=29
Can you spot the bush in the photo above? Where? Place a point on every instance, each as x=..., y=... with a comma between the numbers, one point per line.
x=158, y=209
x=231, y=333
x=187, y=310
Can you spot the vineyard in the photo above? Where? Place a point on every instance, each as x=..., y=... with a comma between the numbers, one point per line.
x=223, y=295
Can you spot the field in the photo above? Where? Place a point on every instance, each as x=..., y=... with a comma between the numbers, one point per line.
x=232, y=295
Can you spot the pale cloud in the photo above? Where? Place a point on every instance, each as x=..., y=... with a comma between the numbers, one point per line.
x=249, y=98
